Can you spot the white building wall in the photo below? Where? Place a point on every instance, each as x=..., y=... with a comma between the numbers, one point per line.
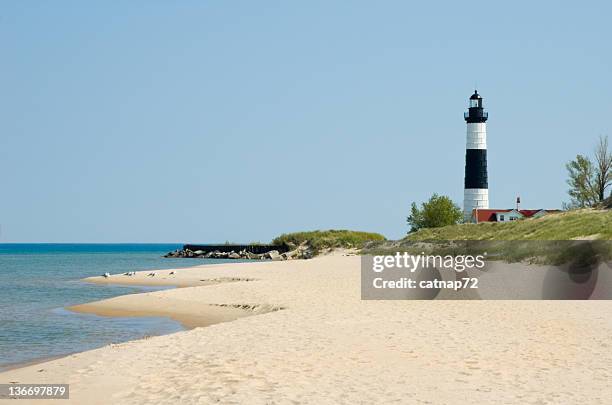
x=474, y=198
x=476, y=135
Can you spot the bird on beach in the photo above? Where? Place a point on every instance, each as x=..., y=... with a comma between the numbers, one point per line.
x=172, y=272
x=106, y=275
x=152, y=274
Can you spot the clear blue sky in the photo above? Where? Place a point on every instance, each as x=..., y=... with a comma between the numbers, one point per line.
x=201, y=121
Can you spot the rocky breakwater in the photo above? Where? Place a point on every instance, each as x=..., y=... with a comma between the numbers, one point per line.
x=302, y=251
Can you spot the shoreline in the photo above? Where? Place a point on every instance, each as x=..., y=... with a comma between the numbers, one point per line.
x=153, y=306
x=41, y=360
x=150, y=304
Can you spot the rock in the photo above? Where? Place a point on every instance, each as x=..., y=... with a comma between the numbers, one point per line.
x=175, y=253
x=307, y=254
x=292, y=254
x=301, y=251
x=274, y=255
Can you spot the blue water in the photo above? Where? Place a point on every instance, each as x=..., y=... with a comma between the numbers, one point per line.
x=38, y=280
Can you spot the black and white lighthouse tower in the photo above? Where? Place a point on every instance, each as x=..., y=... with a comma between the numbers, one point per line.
x=476, y=186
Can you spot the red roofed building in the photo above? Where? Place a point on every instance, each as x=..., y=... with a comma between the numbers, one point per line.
x=507, y=215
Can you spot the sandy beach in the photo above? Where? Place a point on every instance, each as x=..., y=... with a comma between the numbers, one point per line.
x=298, y=332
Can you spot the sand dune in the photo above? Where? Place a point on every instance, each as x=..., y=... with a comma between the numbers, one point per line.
x=327, y=346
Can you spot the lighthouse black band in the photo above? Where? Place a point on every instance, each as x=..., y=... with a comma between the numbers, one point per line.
x=476, y=168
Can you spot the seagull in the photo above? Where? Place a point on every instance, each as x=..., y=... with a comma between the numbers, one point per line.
x=172, y=272
x=106, y=275
x=152, y=274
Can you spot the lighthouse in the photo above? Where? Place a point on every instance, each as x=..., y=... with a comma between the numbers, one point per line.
x=476, y=185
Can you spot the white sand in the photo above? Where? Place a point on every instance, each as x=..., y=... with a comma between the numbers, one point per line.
x=328, y=346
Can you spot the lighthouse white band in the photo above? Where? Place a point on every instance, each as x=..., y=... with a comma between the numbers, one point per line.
x=474, y=198
x=476, y=135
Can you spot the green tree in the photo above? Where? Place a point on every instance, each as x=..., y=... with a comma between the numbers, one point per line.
x=588, y=180
x=438, y=211
x=580, y=180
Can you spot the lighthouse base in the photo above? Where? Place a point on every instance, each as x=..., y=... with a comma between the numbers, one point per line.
x=474, y=198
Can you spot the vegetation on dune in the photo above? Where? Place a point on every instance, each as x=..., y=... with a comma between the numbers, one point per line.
x=576, y=224
x=556, y=252
x=320, y=240
x=579, y=236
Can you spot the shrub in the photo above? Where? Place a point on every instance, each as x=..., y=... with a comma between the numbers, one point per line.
x=319, y=240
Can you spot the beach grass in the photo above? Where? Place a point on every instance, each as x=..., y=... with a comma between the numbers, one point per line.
x=577, y=224
x=329, y=239
x=580, y=236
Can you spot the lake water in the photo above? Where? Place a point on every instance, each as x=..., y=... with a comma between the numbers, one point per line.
x=38, y=280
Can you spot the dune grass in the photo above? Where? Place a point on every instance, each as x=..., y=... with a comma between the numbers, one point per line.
x=580, y=236
x=578, y=224
x=319, y=240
